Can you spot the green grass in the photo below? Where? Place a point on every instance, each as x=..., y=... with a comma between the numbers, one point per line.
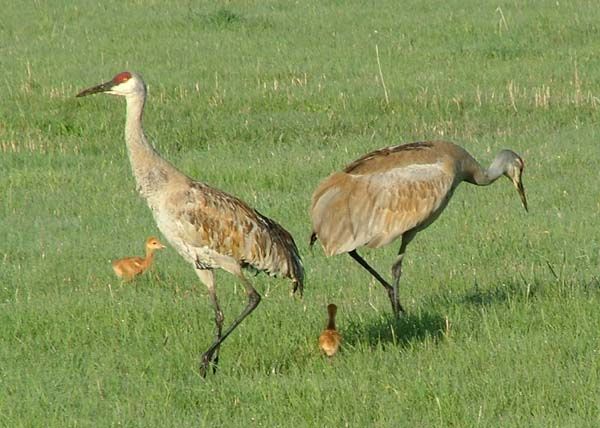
x=263, y=99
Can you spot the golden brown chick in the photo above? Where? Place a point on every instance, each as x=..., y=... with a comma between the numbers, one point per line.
x=330, y=338
x=129, y=267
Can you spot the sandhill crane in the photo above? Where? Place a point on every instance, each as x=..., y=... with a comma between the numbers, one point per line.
x=394, y=193
x=330, y=338
x=209, y=228
x=129, y=267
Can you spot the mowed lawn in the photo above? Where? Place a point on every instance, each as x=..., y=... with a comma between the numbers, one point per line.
x=263, y=99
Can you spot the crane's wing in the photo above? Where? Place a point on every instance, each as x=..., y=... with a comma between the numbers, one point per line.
x=351, y=210
x=212, y=221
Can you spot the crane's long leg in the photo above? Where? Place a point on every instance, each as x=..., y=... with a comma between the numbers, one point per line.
x=253, y=301
x=397, y=268
x=393, y=295
x=208, y=278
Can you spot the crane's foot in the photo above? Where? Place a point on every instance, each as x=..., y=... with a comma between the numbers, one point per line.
x=396, y=306
x=399, y=312
x=298, y=287
x=206, y=361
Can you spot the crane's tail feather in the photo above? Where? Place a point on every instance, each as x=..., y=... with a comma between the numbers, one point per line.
x=285, y=249
x=297, y=270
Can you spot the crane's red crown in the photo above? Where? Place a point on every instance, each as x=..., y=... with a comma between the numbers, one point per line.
x=121, y=77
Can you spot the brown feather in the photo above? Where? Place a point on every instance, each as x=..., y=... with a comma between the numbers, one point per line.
x=383, y=195
x=228, y=226
x=329, y=342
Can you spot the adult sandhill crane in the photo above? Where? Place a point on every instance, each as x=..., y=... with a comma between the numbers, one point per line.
x=330, y=338
x=129, y=267
x=209, y=228
x=394, y=193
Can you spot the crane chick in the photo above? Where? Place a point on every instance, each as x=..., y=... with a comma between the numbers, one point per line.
x=330, y=338
x=129, y=267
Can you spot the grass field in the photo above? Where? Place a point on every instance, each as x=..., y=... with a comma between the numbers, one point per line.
x=263, y=99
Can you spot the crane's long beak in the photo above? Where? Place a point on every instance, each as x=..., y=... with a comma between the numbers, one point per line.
x=521, y=190
x=103, y=87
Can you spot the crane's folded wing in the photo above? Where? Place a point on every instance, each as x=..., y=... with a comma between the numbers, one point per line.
x=352, y=210
x=215, y=224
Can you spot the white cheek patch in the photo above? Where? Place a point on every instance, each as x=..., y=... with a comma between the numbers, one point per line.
x=124, y=88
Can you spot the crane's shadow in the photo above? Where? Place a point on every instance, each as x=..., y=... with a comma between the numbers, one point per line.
x=502, y=293
x=389, y=330
x=419, y=325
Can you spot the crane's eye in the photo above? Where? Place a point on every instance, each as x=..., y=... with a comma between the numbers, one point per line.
x=122, y=77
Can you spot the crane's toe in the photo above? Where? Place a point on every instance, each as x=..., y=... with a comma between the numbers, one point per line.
x=206, y=361
x=298, y=287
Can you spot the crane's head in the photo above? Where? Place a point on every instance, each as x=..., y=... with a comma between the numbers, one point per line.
x=513, y=169
x=154, y=244
x=124, y=84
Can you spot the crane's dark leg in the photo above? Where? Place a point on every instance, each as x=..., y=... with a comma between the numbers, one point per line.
x=253, y=301
x=393, y=295
x=208, y=278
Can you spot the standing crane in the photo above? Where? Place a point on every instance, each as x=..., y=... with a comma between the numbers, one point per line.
x=207, y=227
x=395, y=193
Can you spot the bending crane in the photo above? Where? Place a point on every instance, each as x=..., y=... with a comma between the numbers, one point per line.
x=395, y=193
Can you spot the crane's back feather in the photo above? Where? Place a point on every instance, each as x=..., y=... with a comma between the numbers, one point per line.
x=215, y=224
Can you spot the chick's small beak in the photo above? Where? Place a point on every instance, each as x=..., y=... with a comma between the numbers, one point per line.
x=103, y=87
x=521, y=190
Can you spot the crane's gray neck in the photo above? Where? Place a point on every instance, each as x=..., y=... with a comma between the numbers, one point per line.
x=151, y=171
x=483, y=177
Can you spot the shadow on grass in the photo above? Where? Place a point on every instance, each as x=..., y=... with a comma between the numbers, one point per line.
x=419, y=325
x=502, y=293
x=388, y=330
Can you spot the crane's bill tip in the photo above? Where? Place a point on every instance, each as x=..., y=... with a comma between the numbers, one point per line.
x=82, y=93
